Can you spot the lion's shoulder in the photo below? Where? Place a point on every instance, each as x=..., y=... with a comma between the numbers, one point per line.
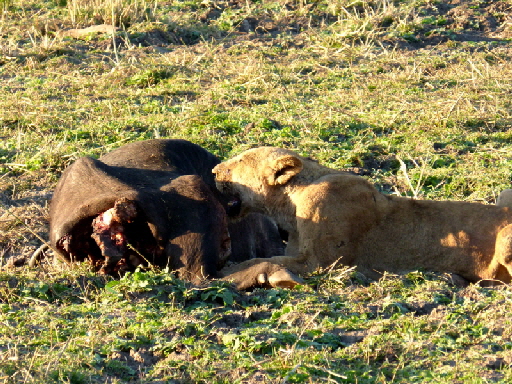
x=331, y=190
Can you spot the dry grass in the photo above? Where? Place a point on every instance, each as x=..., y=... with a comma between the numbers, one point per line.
x=114, y=12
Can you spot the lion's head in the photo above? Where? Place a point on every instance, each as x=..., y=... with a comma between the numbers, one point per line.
x=255, y=176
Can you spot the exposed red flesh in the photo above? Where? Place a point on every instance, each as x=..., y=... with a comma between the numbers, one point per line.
x=108, y=231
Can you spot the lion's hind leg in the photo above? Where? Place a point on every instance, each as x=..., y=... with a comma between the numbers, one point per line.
x=505, y=198
x=501, y=266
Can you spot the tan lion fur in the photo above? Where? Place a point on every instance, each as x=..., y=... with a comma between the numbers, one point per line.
x=333, y=216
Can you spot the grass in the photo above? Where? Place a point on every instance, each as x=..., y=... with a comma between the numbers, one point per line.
x=413, y=95
x=147, y=327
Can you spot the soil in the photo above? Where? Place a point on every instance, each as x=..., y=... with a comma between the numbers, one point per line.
x=23, y=217
x=462, y=20
x=458, y=20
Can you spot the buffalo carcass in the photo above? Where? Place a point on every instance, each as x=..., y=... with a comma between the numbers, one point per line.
x=152, y=202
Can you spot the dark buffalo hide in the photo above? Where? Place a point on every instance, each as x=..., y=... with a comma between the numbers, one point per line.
x=152, y=202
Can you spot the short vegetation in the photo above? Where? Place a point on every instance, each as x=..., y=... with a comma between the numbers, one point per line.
x=414, y=95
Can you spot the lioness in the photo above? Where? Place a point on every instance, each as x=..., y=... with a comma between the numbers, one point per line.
x=333, y=216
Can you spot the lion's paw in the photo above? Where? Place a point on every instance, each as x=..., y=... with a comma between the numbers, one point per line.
x=282, y=278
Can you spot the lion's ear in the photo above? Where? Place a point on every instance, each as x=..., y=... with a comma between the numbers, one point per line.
x=283, y=169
